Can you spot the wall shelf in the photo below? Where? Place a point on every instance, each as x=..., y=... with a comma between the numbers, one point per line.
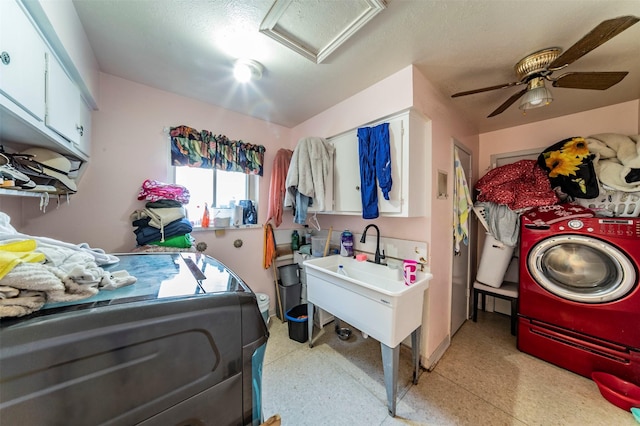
x=19, y=193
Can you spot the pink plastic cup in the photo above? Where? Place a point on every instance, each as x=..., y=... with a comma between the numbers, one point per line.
x=410, y=268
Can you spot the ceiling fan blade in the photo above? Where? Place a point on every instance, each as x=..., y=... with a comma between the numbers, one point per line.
x=589, y=80
x=507, y=103
x=602, y=33
x=486, y=89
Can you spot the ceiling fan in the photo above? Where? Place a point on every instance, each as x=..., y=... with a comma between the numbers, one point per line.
x=537, y=67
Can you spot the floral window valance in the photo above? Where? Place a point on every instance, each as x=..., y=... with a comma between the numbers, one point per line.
x=193, y=148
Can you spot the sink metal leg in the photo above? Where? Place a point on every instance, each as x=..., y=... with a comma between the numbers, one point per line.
x=310, y=322
x=415, y=349
x=390, y=363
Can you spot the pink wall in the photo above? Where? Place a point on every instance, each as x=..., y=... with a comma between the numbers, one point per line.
x=622, y=118
x=390, y=95
x=128, y=146
x=446, y=125
x=401, y=90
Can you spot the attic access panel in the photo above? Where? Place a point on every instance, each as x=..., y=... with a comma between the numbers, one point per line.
x=316, y=29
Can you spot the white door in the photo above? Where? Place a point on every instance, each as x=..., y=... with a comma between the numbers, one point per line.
x=460, y=292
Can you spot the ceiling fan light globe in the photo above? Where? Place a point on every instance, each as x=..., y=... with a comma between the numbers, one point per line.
x=536, y=98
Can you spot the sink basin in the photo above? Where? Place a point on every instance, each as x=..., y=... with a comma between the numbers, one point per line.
x=372, y=297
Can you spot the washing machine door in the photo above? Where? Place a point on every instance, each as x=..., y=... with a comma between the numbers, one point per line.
x=581, y=269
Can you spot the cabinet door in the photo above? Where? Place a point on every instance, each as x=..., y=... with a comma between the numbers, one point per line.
x=22, y=63
x=346, y=173
x=63, y=102
x=84, y=135
x=347, y=170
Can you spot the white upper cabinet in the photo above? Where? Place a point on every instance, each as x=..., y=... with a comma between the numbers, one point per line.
x=410, y=143
x=22, y=60
x=41, y=102
x=63, y=103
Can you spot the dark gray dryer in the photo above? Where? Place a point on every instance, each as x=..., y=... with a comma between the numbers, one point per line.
x=183, y=345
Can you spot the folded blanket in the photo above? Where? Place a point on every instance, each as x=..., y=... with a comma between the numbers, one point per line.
x=617, y=160
x=148, y=234
x=178, y=241
x=159, y=217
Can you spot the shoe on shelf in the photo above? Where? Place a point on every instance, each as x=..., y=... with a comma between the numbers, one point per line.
x=9, y=172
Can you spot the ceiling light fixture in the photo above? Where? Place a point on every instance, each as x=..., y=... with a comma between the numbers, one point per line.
x=247, y=69
x=537, y=95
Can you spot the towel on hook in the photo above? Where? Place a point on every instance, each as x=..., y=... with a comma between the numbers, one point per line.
x=462, y=204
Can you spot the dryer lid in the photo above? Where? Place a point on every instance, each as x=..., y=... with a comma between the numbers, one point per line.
x=581, y=269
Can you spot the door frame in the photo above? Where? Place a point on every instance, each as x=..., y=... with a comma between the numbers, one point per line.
x=472, y=233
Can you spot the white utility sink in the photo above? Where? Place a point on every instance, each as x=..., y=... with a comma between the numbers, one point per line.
x=374, y=299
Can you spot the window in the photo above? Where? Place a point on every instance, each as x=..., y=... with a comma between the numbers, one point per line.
x=219, y=189
x=218, y=172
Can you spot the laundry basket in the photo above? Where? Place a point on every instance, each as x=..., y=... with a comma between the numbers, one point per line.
x=618, y=203
x=494, y=261
x=481, y=214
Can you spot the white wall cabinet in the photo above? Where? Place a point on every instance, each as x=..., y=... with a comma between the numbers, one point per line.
x=410, y=146
x=22, y=60
x=63, y=102
x=40, y=104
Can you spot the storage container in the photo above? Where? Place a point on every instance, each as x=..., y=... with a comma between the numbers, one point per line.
x=263, y=305
x=494, y=262
x=317, y=246
x=289, y=274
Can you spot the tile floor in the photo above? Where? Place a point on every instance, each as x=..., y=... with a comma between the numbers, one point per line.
x=481, y=380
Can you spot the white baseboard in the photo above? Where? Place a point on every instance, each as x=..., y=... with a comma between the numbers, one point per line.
x=431, y=361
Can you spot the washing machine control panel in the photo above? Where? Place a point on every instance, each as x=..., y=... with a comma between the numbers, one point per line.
x=619, y=227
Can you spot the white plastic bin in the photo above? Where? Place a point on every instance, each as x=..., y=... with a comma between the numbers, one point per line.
x=263, y=305
x=494, y=262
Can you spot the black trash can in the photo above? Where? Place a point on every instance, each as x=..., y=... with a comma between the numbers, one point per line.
x=297, y=320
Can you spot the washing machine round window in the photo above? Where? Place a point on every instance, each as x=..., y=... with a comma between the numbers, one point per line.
x=581, y=269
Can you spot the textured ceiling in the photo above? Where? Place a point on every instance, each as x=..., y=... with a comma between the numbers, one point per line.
x=188, y=47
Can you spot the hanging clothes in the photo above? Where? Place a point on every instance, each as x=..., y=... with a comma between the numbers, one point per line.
x=277, y=188
x=269, y=250
x=375, y=162
x=462, y=204
x=308, y=175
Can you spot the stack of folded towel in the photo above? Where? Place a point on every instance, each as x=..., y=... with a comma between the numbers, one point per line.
x=163, y=221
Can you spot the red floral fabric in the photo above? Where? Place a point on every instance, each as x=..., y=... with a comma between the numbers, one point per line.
x=519, y=185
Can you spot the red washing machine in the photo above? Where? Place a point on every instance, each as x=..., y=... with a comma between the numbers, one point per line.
x=579, y=303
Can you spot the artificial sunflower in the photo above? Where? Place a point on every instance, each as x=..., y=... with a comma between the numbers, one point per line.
x=560, y=163
x=576, y=147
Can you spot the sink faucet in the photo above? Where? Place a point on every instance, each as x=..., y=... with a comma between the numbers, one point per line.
x=378, y=256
